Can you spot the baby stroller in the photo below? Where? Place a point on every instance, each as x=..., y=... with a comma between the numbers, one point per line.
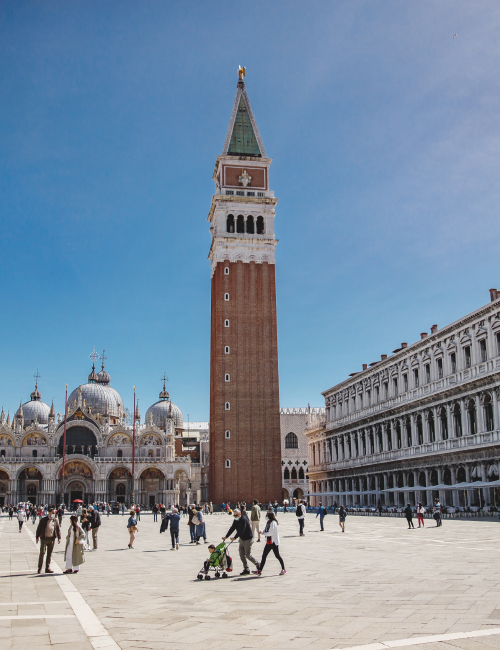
x=219, y=561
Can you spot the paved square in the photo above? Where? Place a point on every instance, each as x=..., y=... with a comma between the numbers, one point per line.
x=377, y=583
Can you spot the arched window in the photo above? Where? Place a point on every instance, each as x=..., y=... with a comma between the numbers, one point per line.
x=411, y=480
x=488, y=414
x=240, y=224
x=294, y=474
x=260, y=225
x=119, y=453
x=434, y=477
x=34, y=453
x=457, y=421
x=226, y=349
x=408, y=432
x=301, y=473
x=447, y=476
x=227, y=377
x=291, y=441
x=226, y=323
x=230, y=223
x=228, y=463
x=432, y=428
x=421, y=479
x=250, y=225
x=286, y=474
x=228, y=406
x=228, y=433
x=226, y=270
x=226, y=297
x=461, y=475
x=120, y=490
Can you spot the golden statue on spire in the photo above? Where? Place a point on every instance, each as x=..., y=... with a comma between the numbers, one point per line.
x=241, y=72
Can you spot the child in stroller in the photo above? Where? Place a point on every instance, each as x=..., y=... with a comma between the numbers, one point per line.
x=219, y=561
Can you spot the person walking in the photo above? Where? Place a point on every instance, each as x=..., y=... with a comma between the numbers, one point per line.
x=21, y=518
x=420, y=514
x=138, y=513
x=95, y=522
x=200, y=530
x=437, y=512
x=321, y=514
x=47, y=531
x=300, y=511
x=243, y=530
x=174, y=520
x=379, y=509
x=132, y=528
x=192, y=521
x=11, y=512
x=155, y=512
x=270, y=532
x=211, y=508
x=342, y=516
x=409, y=516
x=255, y=519
x=123, y=509
x=85, y=524
x=60, y=514
x=73, y=553
x=108, y=510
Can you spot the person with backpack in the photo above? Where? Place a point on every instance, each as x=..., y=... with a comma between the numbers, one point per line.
x=437, y=513
x=342, y=516
x=300, y=512
x=409, y=516
x=322, y=514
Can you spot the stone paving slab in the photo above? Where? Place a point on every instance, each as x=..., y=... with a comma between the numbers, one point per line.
x=377, y=582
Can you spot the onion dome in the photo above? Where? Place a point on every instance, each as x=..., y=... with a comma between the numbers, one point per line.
x=103, y=377
x=93, y=376
x=35, y=410
x=163, y=410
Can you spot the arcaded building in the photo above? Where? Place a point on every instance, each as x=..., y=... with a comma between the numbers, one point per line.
x=294, y=451
x=98, y=459
x=245, y=458
x=417, y=425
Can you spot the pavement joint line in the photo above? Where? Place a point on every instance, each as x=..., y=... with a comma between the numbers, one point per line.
x=434, y=638
x=31, y=616
x=38, y=602
x=97, y=634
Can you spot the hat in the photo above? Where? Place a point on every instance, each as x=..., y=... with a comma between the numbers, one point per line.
x=91, y=507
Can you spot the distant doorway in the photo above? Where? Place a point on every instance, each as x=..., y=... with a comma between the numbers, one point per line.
x=76, y=494
x=152, y=501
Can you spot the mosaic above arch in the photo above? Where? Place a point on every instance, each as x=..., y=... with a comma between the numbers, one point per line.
x=6, y=441
x=75, y=467
x=150, y=439
x=152, y=472
x=34, y=439
x=119, y=439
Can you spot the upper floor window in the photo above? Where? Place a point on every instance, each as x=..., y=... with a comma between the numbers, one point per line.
x=395, y=386
x=368, y=397
x=228, y=463
x=498, y=343
x=377, y=394
x=440, y=368
x=228, y=433
x=416, y=380
x=226, y=322
x=260, y=194
x=386, y=390
x=229, y=192
x=250, y=225
x=427, y=373
x=453, y=362
x=230, y=223
x=405, y=382
x=482, y=350
x=227, y=377
x=467, y=356
x=227, y=406
x=240, y=224
x=226, y=296
x=226, y=349
x=291, y=441
x=260, y=225
x=119, y=453
x=226, y=270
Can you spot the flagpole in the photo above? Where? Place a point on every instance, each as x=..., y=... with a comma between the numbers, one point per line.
x=133, y=454
x=64, y=443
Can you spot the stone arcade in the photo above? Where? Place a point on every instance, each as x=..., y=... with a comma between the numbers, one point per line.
x=418, y=425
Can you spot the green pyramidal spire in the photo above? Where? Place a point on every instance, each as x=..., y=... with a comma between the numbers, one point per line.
x=243, y=141
x=243, y=137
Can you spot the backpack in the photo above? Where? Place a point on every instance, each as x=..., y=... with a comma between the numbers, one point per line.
x=298, y=511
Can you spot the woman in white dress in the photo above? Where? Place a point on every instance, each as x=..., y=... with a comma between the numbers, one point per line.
x=73, y=554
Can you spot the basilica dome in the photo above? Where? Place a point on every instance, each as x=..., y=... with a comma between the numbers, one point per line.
x=99, y=396
x=35, y=409
x=164, y=409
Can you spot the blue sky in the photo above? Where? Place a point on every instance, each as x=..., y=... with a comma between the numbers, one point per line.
x=384, y=131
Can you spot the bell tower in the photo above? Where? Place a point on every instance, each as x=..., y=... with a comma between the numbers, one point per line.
x=245, y=448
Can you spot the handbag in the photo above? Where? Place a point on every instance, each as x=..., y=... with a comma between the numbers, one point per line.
x=133, y=529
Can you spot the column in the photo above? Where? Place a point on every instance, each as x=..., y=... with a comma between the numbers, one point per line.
x=463, y=416
x=454, y=493
x=494, y=396
x=479, y=414
x=394, y=435
x=449, y=420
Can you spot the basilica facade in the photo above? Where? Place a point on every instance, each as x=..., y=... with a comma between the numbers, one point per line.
x=98, y=451
x=418, y=425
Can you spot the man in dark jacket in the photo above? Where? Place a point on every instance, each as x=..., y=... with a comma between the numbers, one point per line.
x=173, y=519
x=155, y=512
x=95, y=521
x=243, y=529
x=409, y=516
x=47, y=531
